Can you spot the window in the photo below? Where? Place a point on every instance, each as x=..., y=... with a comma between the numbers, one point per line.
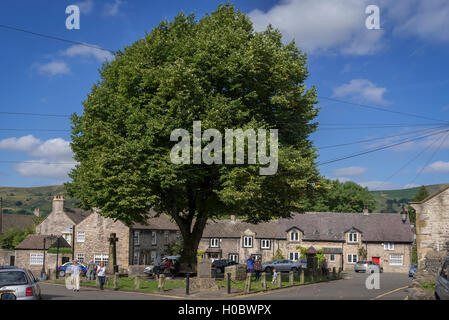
x=247, y=242
x=352, y=258
x=265, y=244
x=36, y=259
x=80, y=257
x=153, y=256
x=396, y=259
x=353, y=237
x=388, y=246
x=101, y=258
x=214, y=243
x=136, y=259
x=153, y=238
x=80, y=236
x=234, y=257
x=293, y=256
x=136, y=238
x=67, y=237
x=166, y=235
x=332, y=258
x=294, y=236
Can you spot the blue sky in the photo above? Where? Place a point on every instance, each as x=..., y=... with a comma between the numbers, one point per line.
x=402, y=67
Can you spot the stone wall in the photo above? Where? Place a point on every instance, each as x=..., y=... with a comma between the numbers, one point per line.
x=238, y=272
x=5, y=257
x=56, y=221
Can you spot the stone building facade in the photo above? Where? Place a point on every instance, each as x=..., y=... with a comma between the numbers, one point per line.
x=385, y=238
x=432, y=230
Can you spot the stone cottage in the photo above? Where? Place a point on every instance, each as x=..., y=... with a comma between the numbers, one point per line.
x=432, y=230
x=385, y=238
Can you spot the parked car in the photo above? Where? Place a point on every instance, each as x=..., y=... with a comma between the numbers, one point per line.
x=150, y=269
x=18, y=284
x=368, y=266
x=220, y=265
x=412, y=270
x=66, y=267
x=283, y=265
x=442, y=283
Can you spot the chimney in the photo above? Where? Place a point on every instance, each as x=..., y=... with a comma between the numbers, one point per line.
x=233, y=218
x=37, y=212
x=365, y=211
x=58, y=204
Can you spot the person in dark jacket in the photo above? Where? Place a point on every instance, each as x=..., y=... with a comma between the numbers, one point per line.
x=257, y=267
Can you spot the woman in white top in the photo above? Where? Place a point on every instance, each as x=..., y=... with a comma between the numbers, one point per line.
x=101, y=274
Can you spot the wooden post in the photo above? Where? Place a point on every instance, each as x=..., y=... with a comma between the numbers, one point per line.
x=301, y=276
x=291, y=277
x=279, y=279
x=161, y=283
x=248, y=282
x=264, y=281
x=116, y=281
x=137, y=283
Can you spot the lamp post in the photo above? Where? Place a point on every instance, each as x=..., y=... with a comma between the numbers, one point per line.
x=404, y=214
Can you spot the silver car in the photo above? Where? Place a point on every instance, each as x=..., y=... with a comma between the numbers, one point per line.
x=442, y=283
x=368, y=267
x=284, y=265
x=19, y=283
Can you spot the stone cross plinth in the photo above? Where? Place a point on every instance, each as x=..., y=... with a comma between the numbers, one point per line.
x=112, y=266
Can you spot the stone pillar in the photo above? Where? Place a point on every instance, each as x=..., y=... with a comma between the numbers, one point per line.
x=137, y=283
x=301, y=276
x=97, y=282
x=248, y=283
x=161, y=283
x=116, y=281
x=264, y=281
x=312, y=275
x=291, y=277
x=279, y=280
x=334, y=273
x=339, y=273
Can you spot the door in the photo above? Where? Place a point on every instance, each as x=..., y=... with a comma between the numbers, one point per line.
x=376, y=260
x=12, y=260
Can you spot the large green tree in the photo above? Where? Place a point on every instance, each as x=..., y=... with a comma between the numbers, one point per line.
x=419, y=196
x=218, y=70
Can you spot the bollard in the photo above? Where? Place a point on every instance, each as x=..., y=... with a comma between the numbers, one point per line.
x=339, y=273
x=161, y=283
x=334, y=273
x=291, y=277
x=116, y=281
x=248, y=283
x=97, y=282
x=264, y=281
x=229, y=283
x=187, y=284
x=137, y=283
x=312, y=275
x=279, y=279
x=301, y=276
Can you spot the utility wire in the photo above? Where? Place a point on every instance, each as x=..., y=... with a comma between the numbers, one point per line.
x=35, y=114
x=53, y=37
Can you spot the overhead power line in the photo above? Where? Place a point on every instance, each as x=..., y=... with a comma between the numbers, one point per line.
x=54, y=38
x=35, y=114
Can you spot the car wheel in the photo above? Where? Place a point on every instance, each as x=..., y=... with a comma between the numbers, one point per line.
x=295, y=270
x=62, y=273
x=268, y=270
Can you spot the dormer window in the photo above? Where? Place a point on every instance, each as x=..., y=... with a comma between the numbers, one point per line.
x=214, y=243
x=294, y=235
x=247, y=242
x=353, y=237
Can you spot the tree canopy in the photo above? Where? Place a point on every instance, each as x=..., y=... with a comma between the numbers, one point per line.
x=217, y=70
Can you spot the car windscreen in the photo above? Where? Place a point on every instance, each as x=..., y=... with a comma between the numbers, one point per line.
x=10, y=278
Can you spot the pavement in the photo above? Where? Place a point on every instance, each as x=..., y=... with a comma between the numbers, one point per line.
x=392, y=287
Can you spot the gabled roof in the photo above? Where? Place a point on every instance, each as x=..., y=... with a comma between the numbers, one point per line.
x=163, y=222
x=432, y=195
x=36, y=242
x=16, y=221
x=77, y=215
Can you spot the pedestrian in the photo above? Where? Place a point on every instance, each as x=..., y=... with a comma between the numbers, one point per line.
x=275, y=276
x=167, y=267
x=176, y=266
x=257, y=267
x=91, y=271
x=101, y=274
x=250, y=265
x=75, y=271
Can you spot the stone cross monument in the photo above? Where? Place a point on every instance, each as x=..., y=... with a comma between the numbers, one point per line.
x=112, y=266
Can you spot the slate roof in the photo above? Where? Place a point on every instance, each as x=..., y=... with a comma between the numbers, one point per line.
x=36, y=242
x=77, y=215
x=16, y=221
x=319, y=226
x=163, y=222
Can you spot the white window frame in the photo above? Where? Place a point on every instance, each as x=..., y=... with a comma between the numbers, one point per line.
x=265, y=244
x=294, y=235
x=388, y=246
x=294, y=256
x=36, y=259
x=234, y=257
x=80, y=236
x=332, y=257
x=153, y=238
x=352, y=260
x=247, y=241
x=137, y=238
x=396, y=257
x=214, y=243
x=153, y=256
x=353, y=237
x=101, y=258
x=80, y=257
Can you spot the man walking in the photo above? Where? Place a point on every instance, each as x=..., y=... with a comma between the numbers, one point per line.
x=101, y=274
x=75, y=271
x=250, y=265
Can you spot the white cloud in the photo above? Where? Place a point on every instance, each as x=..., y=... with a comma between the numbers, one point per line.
x=53, y=68
x=361, y=89
x=112, y=9
x=350, y=171
x=321, y=25
x=44, y=169
x=86, y=6
x=26, y=143
x=437, y=167
x=57, y=149
x=88, y=52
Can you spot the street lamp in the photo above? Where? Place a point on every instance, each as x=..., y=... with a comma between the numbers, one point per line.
x=404, y=214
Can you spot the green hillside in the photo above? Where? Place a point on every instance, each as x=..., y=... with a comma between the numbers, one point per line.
x=390, y=201
x=24, y=200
